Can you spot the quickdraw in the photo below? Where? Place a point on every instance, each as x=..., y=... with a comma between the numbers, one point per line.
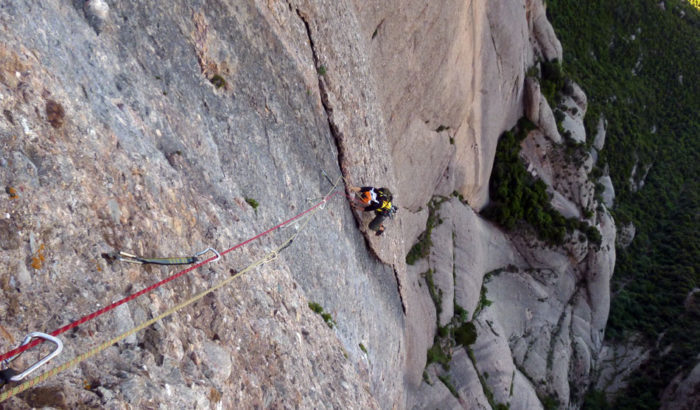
x=188, y=260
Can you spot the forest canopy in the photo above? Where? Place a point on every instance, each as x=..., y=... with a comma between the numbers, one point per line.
x=638, y=63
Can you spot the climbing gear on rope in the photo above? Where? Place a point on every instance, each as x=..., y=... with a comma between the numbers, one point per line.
x=392, y=211
x=92, y=352
x=266, y=258
x=133, y=296
x=113, y=305
x=327, y=177
x=127, y=257
x=10, y=375
x=385, y=207
x=148, y=289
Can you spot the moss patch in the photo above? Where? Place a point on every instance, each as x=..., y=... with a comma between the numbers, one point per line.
x=445, y=379
x=218, y=81
x=326, y=316
x=253, y=203
x=436, y=354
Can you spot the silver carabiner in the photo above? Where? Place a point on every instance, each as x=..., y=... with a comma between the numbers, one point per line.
x=41, y=362
x=218, y=255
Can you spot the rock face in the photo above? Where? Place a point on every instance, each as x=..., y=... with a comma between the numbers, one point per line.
x=599, y=140
x=574, y=111
x=682, y=393
x=540, y=336
x=608, y=190
x=546, y=42
x=626, y=235
x=156, y=155
x=543, y=328
x=538, y=111
x=474, y=91
x=162, y=131
x=616, y=362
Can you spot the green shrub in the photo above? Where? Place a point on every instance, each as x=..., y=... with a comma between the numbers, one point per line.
x=437, y=355
x=461, y=313
x=553, y=81
x=595, y=400
x=465, y=335
x=315, y=307
x=550, y=403
x=420, y=249
x=483, y=301
x=326, y=316
x=517, y=197
x=435, y=293
x=328, y=319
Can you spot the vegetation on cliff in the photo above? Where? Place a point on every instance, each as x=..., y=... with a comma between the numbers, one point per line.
x=638, y=63
x=519, y=199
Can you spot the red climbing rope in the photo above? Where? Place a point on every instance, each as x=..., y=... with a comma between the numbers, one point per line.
x=133, y=296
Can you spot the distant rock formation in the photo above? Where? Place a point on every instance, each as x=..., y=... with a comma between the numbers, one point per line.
x=682, y=393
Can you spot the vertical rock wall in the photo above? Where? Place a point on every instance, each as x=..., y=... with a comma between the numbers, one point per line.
x=192, y=125
x=451, y=79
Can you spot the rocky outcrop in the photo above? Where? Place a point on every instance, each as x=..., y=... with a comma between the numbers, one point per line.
x=566, y=176
x=533, y=97
x=616, y=362
x=541, y=332
x=637, y=181
x=626, y=235
x=683, y=393
x=495, y=365
x=538, y=111
x=599, y=140
x=574, y=108
x=608, y=194
x=546, y=42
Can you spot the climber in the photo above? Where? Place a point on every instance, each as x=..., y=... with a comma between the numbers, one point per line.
x=374, y=199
